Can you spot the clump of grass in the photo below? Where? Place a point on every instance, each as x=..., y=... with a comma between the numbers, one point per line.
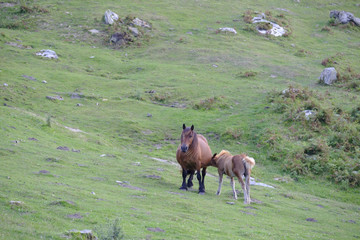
x=162, y=98
x=211, y=103
x=302, y=53
x=331, y=61
x=248, y=16
x=233, y=134
x=326, y=29
x=246, y=74
x=316, y=145
x=264, y=26
x=111, y=230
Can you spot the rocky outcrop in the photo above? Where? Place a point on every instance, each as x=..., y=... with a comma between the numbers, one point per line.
x=344, y=17
x=328, y=76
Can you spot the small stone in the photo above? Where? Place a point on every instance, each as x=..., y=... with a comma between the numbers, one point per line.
x=230, y=203
x=5, y=84
x=16, y=203
x=94, y=31
x=311, y=220
x=93, y=193
x=43, y=172
x=79, y=105
x=149, y=115
x=92, y=56
x=228, y=30
x=33, y=139
x=44, y=81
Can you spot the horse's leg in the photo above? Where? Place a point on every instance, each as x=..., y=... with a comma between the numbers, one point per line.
x=184, y=174
x=220, y=183
x=232, y=183
x=203, y=177
x=201, y=186
x=190, y=183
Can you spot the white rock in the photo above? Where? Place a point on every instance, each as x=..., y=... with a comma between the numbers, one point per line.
x=94, y=31
x=47, y=53
x=141, y=23
x=134, y=31
x=227, y=29
x=276, y=29
x=110, y=17
x=308, y=114
x=5, y=84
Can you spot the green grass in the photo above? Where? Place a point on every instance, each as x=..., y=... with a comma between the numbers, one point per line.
x=182, y=72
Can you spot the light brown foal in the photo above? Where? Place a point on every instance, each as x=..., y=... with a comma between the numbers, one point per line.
x=234, y=166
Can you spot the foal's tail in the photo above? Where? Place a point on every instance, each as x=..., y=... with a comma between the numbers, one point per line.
x=249, y=162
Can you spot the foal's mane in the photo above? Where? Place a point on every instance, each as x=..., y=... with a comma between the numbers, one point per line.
x=223, y=153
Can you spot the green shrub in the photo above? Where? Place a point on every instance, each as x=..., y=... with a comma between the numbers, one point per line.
x=318, y=144
x=110, y=230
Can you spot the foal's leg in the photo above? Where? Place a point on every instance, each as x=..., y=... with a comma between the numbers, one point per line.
x=201, y=185
x=184, y=174
x=239, y=175
x=232, y=183
x=244, y=188
x=220, y=183
x=247, y=180
x=190, y=183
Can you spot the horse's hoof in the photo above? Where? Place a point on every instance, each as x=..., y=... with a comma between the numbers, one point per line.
x=183, y=188
x=201, y=193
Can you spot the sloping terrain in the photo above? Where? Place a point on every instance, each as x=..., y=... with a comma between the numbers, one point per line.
x=91, y=137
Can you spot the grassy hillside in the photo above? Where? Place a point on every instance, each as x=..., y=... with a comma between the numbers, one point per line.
x=107, y=150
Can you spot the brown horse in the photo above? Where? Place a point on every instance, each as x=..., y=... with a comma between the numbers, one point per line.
x=238, y=165
x=193, y=154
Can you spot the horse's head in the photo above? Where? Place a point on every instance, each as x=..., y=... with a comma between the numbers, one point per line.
x=187, y=137
x=214, y=160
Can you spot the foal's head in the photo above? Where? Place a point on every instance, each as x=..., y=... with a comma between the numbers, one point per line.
x=213, y=160
x=187, y=137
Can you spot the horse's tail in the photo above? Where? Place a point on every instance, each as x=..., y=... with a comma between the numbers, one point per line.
x=249, y=162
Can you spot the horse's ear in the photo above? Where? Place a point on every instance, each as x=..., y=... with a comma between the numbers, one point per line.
x=192, y=127
x=184, y=126
x=214, y=155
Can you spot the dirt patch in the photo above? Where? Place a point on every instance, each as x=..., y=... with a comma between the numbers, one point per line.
x=153, y=176
x=248, y=213
x=5, y=4
x=74, y=216
x=126, y=185
x=155, y=229
x=63, y=148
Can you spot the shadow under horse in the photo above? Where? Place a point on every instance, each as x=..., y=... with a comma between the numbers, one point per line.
x=193, y=154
